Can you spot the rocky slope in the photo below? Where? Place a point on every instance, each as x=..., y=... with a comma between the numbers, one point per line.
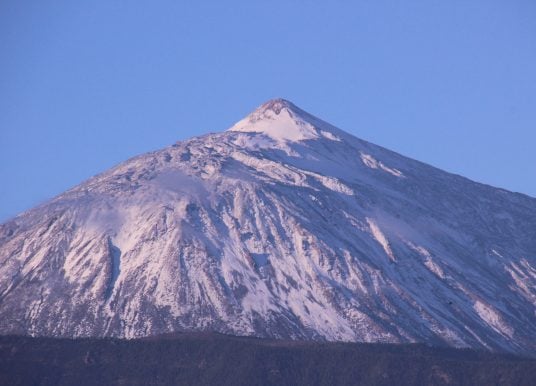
x=283, y=226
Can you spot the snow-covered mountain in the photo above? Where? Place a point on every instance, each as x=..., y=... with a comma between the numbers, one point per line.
x=282, y=226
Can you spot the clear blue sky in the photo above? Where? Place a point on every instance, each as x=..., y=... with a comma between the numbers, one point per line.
x=85, y=85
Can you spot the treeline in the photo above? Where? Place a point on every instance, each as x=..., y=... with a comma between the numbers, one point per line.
x=212, y=359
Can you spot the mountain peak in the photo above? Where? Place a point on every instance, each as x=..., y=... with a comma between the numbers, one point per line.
x=283, y=121
x=276, y=105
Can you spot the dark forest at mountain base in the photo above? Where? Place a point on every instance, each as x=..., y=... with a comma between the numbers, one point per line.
x=213, y=359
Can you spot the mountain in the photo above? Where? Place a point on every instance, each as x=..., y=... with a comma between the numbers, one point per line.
x=283, y=227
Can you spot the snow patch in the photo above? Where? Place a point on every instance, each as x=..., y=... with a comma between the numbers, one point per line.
x=492, y=318
x=429, y=261
x=279, y=124
x=380, y=238
x=328, y=135
x=523, y=277
x=372, y=163
x=496, y=253
x=331, y=183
